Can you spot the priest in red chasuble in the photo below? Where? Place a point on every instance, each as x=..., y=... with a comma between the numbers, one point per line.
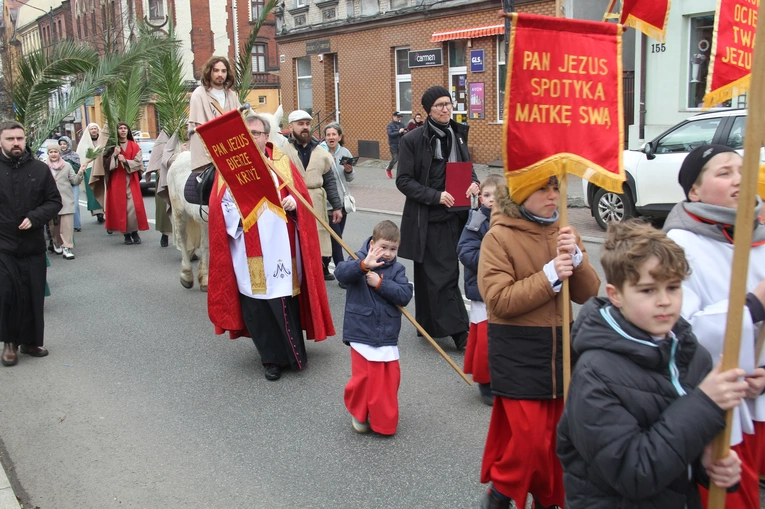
x=267, y=282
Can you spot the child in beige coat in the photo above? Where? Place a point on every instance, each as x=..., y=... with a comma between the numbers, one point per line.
x=62, y=230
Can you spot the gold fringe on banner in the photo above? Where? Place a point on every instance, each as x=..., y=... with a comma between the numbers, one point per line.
x=576, y=165
x=250, y=221
x=725, y=92
x=643, y=26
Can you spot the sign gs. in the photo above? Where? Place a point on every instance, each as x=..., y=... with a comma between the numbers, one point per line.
x=476, y=60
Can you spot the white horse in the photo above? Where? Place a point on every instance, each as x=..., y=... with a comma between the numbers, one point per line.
x=189, y=220
x=189, y=223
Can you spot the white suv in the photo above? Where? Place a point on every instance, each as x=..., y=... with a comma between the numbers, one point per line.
x=652, y=188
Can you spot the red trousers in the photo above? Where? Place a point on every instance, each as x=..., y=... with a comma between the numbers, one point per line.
x=372, y=393
x=751, y=455
x=519, y=457
x=477, y=353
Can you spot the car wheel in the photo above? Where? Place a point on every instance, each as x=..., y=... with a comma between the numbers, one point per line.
x=610, y=207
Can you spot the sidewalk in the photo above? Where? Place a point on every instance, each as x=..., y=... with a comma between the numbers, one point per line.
x=7, y=496
x=375, y=192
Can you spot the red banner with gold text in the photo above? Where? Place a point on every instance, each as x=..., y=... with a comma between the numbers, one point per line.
x=242, y=167
x=730, y=69
x=648, y=16
x=563, y=101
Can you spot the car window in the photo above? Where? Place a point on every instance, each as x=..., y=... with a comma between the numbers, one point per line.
x=688, y=136
x=736, y=136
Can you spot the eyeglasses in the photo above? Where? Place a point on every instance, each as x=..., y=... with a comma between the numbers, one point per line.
x=443, y=106
x=257, y=133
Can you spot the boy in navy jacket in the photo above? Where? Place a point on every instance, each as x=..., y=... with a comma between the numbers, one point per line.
x=469, y=251
x=376, y=285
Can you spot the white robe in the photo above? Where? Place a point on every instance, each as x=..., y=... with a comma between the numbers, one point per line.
x=705, y=306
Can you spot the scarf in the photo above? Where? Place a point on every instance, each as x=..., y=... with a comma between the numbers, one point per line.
x=441, y=131
x=546, y=221
x=69, y=155
x=54, y=167
x=719, y=222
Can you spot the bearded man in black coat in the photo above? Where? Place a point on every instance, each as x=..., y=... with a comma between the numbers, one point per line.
x=29, y=199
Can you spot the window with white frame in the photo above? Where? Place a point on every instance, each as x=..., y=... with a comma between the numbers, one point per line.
x=259, y=58
x=304, y=84
x=403, y=84
x=501, y=77
x=256, y=8
x=301, y=3
x=156, y=9
x=261, y=99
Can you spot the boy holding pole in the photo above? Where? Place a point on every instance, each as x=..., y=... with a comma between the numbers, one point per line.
x=704, y=227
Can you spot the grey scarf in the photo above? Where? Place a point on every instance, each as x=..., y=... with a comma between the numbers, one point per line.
x=441, y=132
x=547, y=221
x=715, y=222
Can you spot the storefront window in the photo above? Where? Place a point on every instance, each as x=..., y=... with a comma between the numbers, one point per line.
x=304, y=86
x=403, y=84
x=458, y=53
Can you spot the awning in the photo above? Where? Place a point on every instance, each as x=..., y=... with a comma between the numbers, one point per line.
x=468, y=33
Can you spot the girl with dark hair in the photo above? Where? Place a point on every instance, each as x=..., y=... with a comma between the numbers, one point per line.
x=125, y=211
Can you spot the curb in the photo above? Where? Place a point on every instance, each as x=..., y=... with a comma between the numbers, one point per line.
x=8, y=498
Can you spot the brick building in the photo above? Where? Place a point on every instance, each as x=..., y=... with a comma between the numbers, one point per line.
x=359, y=70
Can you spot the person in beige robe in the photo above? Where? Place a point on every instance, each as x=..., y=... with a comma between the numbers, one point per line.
x=316, y=165
x=212, y=98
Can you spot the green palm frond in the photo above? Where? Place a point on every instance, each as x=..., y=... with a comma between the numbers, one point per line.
x=40, y=119
x=130, y=95
x=43, y=72
x=167, y=85
x=244, y=61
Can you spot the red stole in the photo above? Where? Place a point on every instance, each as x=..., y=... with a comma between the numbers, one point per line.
x=116, y=195
x=223, y=305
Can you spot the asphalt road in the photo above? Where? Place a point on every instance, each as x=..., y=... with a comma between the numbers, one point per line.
x=139, y=404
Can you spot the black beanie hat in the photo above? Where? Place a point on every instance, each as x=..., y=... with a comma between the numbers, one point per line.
x=695, y=161
x=431, y=95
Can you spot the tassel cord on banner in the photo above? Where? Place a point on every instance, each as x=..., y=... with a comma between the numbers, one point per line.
x=340, y=241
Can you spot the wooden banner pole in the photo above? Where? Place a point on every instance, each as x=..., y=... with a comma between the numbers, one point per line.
x=565, y=290
x=753, y=142
x=340, y=241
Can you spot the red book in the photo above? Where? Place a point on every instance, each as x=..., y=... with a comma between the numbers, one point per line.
x=459, y=176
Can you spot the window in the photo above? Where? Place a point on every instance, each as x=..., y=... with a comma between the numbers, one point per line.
x=304, y=85
x=259, y=58
x=736, y=137
x=398, y=4
x=328, y=14
x=403, y=84
x=458, y=78
x=300, y=20
x=501, y=76
x=688, y=136
x=458, y=53
x=261, y=99
x=349, y=9
x=301, y=3
x=369, y=7
x=156, y=9
x=256, y=8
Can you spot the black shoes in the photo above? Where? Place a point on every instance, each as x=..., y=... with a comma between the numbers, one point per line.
x=460, y=340
x=491, y=501
x=128, y=239
x=136, y=238
x=341, y=285
x=163, y=241
x=486, y=395
x=273, y=372
x=100, y=218
x=328, y=276
x=34, y=351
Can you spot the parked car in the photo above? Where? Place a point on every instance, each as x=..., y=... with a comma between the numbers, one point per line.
x=147, y=144
x=652, y=188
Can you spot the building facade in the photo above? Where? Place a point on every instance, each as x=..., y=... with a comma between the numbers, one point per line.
x=360, y=60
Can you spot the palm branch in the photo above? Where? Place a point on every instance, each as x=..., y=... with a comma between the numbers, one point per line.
x=167, y=85
x=244, y=61
x=40, y=118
